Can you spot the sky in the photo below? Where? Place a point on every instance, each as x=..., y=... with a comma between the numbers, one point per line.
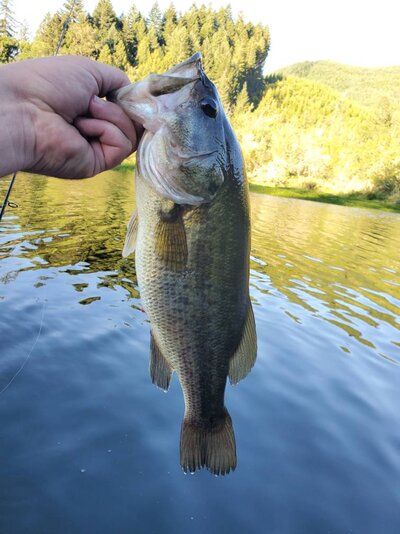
x=355, y=32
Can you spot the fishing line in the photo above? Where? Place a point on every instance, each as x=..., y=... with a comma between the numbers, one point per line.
x=6, y=202
x=29, y=353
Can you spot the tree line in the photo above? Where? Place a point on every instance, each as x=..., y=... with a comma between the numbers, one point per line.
x=306, y=135
x=234, y=50
x=294, y=132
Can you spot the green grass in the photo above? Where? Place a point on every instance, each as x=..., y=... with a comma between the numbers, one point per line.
x=125, y=166
x=356, y=200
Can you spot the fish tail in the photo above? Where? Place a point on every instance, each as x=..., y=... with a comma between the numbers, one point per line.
x=208, y=443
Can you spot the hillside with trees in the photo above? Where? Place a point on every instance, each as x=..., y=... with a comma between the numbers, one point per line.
x=305, y=135
x=319, y=126
x=370, y=87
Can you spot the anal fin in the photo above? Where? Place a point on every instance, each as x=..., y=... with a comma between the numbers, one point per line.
x=160, y=370
x=131, y=235
x=245, y=356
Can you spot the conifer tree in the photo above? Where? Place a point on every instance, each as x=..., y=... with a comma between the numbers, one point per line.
x=132, y=32
x=80, y=38
x=155, y=25
x=120, y=59
x=179, y=46
x=105, y=55
x=8, y=25
x=72, y=10
x=169, y=22
x=47, y=36
x=104, y=18
x=242, y=104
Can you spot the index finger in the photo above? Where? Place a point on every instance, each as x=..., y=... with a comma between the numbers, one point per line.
x=107, y=77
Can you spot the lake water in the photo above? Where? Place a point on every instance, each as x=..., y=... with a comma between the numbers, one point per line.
x=89, y=445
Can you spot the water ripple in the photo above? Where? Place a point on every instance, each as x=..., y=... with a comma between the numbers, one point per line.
x=316, y=421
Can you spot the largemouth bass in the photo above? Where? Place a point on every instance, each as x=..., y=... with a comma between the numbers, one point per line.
x=191, y=233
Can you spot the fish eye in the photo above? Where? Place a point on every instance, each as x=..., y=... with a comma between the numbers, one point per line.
x=209, y=107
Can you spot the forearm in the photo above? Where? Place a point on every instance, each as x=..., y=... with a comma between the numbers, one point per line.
x=16, y=135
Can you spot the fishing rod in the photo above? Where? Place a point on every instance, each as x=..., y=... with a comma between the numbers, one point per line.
x=6, y=201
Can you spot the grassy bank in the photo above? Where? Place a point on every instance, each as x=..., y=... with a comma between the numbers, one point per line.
x=125, y=166
x=356, y=200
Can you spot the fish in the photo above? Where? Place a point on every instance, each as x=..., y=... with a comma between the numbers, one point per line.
x=191, y=238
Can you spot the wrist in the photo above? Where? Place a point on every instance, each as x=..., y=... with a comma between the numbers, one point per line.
x=16, y=132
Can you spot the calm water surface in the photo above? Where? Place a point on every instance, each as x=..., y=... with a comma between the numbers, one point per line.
x=89, y=445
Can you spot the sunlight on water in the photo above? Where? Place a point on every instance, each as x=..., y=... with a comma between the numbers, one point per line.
x=340, y=265
x=316, y=421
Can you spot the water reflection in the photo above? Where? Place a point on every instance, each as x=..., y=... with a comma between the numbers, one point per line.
x=73, y=226
x=316, y=421
x=341, y=265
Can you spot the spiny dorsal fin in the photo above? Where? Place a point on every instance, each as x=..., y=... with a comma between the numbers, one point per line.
x=245, y=356
x=171, y=244
x=131, y=235
x=160, y=370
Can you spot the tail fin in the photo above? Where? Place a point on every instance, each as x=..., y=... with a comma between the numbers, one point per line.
x=209, y=444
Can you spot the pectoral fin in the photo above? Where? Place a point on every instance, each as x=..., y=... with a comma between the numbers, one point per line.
x=245, y=356
x=131, y=235
x=171, y=244
x=160, y=370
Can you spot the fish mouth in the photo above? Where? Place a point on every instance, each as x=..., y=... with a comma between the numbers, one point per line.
x=197, y=157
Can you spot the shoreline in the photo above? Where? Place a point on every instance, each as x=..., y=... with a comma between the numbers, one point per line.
x=354, y=200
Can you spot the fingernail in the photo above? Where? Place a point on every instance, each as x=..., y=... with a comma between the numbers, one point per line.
x=97, y=100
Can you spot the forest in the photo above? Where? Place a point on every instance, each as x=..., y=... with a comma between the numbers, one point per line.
x=331, y=131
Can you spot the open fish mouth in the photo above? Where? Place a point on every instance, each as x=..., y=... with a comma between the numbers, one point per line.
x=197, y=157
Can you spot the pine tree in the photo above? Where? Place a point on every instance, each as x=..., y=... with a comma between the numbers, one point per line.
x=155, y=24
x=47, y=36
x=130, y=24
x=242, y=104
x=8, y=42
x=8, y=24
x=179, y=47
x=143, y=57
x=120, y=59
x=169, y=22
x=72, y=10
x=80, y=38
x=104, y=18
x=105, y=55
x=208, y=22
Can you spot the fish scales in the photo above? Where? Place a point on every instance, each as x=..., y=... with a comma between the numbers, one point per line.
x=191, y=235
x=197, y=314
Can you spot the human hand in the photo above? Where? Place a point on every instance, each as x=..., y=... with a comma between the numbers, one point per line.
x=53, y=121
